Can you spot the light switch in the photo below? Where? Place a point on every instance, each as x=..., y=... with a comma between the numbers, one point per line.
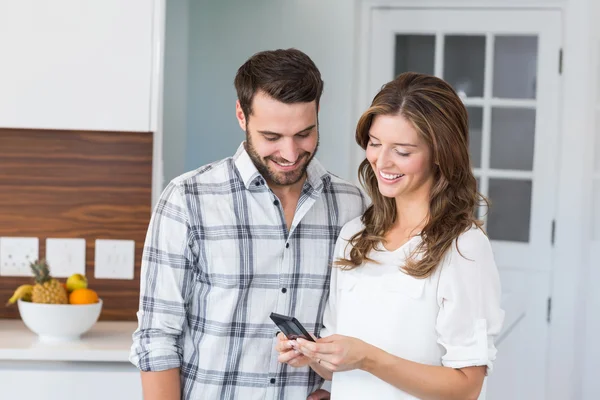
x=65, y=257
x=114, y=259
x=16, y=253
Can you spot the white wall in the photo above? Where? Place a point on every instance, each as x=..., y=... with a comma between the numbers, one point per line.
x=175, y=88
x=224, y=33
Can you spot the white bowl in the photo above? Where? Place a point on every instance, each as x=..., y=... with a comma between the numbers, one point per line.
x=59, y=322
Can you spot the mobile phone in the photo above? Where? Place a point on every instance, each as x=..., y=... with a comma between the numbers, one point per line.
x=290, y=327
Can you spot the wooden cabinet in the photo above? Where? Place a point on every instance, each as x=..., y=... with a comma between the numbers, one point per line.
x=78, y=64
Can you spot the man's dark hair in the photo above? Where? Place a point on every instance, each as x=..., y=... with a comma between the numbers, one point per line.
x=289, y=76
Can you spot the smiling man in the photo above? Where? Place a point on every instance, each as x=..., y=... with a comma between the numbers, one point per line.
x=237, y=239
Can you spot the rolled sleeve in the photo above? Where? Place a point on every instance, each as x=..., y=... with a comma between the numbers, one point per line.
x=166, y=277
x=469, y=293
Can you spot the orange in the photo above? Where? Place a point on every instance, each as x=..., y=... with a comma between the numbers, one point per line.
x=83, y=296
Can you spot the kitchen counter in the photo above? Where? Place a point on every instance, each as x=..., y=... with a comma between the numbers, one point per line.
x=105, y=342
x=95, y=367
x=111, y=341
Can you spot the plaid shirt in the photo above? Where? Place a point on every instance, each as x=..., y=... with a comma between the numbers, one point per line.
x=218, y=259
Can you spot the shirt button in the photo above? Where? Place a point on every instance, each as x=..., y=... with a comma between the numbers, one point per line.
x=272, y=380
x=283, y=290
x=276, y=202
x=287, y=245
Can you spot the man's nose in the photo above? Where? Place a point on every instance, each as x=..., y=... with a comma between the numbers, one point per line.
x=289, y=151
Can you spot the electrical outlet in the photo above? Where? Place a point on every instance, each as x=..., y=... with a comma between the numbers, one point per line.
x=16, y=253
x=114, y=259
x=65, y=257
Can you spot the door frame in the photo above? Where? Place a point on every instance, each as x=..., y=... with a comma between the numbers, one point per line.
x=591, y=363
x=566, y=339
x=157, y=98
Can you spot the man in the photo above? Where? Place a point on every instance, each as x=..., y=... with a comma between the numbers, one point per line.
x=237, y=239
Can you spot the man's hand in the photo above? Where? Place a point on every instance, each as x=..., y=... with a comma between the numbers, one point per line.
x=319, y=395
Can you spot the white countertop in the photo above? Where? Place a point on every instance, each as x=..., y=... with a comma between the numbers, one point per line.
x=111, y=341
x=106, y=341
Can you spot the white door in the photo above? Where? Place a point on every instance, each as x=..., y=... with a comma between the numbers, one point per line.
x=505, y=66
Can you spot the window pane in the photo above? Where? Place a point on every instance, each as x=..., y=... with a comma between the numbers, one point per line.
x=515, y=67
x=464, y=61
x=414, y=53
x=510, y=210
x=513, y=133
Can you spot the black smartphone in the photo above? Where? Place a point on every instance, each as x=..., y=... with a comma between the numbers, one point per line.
x=290, y=327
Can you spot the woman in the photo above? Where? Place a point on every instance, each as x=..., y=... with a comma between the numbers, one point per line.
x=414, y=302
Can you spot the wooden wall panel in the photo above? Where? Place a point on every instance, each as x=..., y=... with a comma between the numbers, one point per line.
x=91, y=185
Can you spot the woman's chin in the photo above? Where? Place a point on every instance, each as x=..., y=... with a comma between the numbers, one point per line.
x=386, y=192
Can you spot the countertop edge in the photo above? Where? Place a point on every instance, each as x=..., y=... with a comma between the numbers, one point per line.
x=107, y=341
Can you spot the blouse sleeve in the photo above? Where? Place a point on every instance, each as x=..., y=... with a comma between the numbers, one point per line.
x=469, y=294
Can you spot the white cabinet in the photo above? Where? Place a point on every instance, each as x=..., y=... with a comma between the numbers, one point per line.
x=96, y=367
x=78, y=64
x=69, y=380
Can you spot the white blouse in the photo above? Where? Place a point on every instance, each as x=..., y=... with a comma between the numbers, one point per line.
x=448, y=319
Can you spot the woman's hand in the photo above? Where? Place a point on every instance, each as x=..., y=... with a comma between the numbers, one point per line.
x=287, y=354
x=336, y=352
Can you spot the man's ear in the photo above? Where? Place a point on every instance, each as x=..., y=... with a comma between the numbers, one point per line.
x=239, y=114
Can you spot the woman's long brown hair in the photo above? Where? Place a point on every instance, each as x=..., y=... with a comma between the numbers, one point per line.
x=440, y=118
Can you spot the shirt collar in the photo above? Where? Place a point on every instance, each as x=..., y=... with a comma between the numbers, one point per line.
x=317, y=175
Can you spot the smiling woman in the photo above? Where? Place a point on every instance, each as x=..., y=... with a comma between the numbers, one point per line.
x=414, y=303
x=416, y=139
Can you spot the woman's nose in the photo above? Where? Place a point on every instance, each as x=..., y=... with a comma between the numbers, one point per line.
x=382, y=159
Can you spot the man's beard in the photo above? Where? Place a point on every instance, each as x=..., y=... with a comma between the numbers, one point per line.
x=277, y=177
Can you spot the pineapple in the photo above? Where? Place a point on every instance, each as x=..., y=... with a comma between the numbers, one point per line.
x=46, y=290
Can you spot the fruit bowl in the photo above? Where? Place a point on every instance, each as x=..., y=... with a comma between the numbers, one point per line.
x=59, y=322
